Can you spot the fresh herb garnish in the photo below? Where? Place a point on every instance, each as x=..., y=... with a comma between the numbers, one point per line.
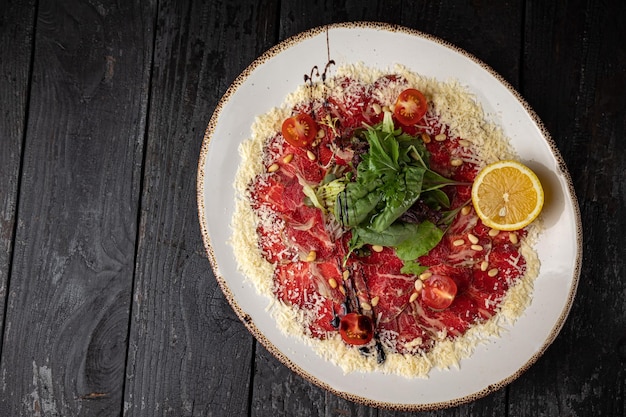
x=392, y=175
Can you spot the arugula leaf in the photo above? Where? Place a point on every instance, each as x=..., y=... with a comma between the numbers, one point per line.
x=310, y=193
x=426, y=237
x=391, y=177
x=413, y=268
x=393, y=236
x=383, y=153
x=387, y=125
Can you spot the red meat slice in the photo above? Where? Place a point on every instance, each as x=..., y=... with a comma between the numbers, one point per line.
x=406, y=333
x=403, y=326
x=382, y=275
x=307, y=168
x=305, y=285
x=266, y=190
x=466, y=310
x=510, y=263
x=307, y=232
x=462, y=277
x=348, y=104
x=272, y=244
x=278, y=192
x=393, y=291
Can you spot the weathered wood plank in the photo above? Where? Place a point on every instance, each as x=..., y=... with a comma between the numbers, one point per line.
x=83, y=128
x=189, y=353
x=16, y=43
x=575, y=77
x=494, y=36
x=491, y=30
x=70, y=289
x=299, y=16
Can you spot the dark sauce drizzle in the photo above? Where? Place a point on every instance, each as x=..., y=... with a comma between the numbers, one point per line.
x=309, y=80
x=380, y=351
x=314, y=74
x=315, y=71
x=351, y=301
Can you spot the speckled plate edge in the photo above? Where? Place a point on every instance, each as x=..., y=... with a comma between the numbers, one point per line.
x=246, y=319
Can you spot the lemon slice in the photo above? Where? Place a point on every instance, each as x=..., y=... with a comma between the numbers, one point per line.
x=507, y=195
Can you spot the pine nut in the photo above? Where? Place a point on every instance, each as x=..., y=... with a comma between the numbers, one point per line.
x=456, y=162
x=377, y=108
x=464, y=143
x=332, y=282
x=484, y=265
x=458, y=242
x=346, y=274
x=466, y=210
x=320, y=133
x=472, y=238
x=366, y=306
x=440, y=137
x=513, y=238
x=477, y=248
x=494, y=232
x=413, y=297
x=311, y=256
x=311, y=155
x=387, y=109
x=375, y=301
x=425, y=137
x=418, y=285
x=377, y=248
x=493, y=272
x=273, y=168
x=288, y=158
x=425, y=275
x=342, y=289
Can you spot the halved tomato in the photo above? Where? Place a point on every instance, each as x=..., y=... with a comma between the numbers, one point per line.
x=439, y=291
x=299, y=130
x=356, y=329
x=410, y=107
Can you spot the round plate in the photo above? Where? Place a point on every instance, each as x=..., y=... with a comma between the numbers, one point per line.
x=266, y=83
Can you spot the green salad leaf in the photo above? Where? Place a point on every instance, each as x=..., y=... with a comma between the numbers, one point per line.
x=425, y=238
x=391, y=177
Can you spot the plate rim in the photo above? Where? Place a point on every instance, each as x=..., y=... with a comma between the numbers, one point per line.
x=247, y=320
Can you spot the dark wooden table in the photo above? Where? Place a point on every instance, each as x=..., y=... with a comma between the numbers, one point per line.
x=108, y=305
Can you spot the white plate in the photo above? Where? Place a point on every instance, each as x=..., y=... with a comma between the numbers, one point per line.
x=266, y=83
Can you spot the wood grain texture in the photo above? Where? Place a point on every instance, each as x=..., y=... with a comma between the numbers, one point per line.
x=189, y=353
x=67, y=316
x=579, y=93
x=16, y=44
x=111, y=305
x=491, y=30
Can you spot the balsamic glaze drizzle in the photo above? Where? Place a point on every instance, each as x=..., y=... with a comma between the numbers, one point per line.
x=351, y=302
x=315, y=70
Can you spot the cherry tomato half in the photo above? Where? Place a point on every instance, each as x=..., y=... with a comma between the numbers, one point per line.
x=410, y=107
x=299, y=130
x=439, y=291
x=356, y=329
